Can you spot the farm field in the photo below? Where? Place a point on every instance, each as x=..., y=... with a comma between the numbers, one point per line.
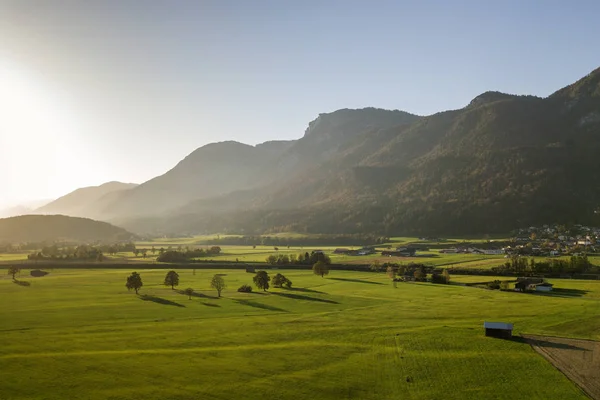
x=79, y=334
x=13, y=257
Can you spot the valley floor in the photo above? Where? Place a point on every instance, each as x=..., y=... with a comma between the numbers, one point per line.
x=79, y=334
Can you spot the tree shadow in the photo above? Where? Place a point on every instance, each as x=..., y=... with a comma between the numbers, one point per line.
x=303, y=297
x=303, y=290
x=560, y=292
x=259, y=305
x=21, y=283
x=198, y=295
x=544, y=343
x=426, y=256
x=210, y=304
x=159, y=300
x=356, y=281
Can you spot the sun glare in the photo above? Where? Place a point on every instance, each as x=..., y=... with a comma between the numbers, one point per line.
x=36, y=135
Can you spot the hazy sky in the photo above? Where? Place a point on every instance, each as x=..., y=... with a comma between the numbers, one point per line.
x=93, y=91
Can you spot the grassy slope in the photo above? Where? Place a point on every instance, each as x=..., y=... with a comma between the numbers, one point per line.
x=80, y=334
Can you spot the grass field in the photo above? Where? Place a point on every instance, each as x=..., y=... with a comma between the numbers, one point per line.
x=7, y=257
x=78, y=334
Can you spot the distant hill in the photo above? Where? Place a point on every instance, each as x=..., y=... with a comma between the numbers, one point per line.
x=84, y=202
x=39, y=228
x=24, y=208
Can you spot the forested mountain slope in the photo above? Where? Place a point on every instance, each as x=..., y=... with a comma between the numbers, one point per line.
x=501, y=162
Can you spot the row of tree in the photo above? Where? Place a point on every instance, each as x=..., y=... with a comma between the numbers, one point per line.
x=79, y=253
x=302, y=258
x=134, y=281
x=524, y=266
x=182, y=256
x=312, y=240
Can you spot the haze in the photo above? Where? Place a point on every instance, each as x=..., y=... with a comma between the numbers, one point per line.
x=123, y=90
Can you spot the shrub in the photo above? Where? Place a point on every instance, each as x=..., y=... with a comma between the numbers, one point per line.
x=245, y=289
x=495, y=285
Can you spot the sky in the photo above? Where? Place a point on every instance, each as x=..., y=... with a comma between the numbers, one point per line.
x=96, y=91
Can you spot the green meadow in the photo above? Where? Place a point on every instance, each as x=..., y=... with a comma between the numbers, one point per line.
x=79, y=334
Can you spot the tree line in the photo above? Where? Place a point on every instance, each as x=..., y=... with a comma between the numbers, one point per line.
x=295, y=259
x=312, y=240
x=261, y=280
x=187, y=255
x=524, y=266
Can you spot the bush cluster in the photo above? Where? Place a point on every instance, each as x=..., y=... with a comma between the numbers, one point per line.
x=245, y=289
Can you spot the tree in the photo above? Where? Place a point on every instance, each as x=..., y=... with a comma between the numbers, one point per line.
x=419, y=274
x=391, y=272
x=272, y=259
x=320, y=268
x=134, y=281
x=533, y=236
x=375, y=266
x=153, y=250
x=279, y=281
x=261, y=280
x=144, y=253
x=189, y=292
x=218, y=283
x=136, y=252
x=172, y=279
x=13, y=271
x=446, y=276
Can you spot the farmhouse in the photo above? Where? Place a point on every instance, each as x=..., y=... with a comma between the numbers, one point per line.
x=498, y=329
x=341, y=251
x=543, y=287
x=537, y=284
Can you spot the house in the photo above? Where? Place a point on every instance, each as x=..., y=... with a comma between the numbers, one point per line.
x=366, y=251
x=495, y=251
x=536, y=284
x=341, y=251
x=491, y=251
x=543, y=287
x=449, y=251
x=501, y=330
x=406, y=251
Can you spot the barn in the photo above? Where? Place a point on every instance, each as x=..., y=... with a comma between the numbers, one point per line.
x=498, y=329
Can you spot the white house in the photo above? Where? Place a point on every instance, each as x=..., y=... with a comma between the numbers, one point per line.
x=543, y=287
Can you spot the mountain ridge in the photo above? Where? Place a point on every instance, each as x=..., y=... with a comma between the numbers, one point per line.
x=501, y=161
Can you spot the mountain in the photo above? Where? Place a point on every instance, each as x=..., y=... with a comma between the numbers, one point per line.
x=40, y=228
x=84, y=202
x=503, y=161
x=221, y=168
x=22, y=209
